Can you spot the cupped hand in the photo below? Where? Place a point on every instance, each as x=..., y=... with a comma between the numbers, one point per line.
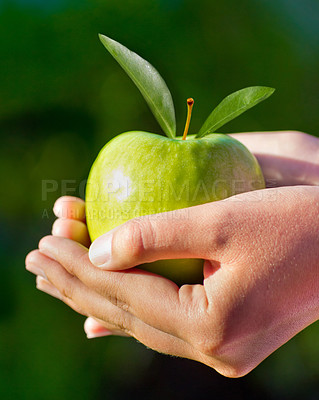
x=260, y=283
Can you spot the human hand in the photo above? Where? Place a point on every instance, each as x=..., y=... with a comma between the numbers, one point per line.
x=286, y=157
x=260, y=283
x=71, y=224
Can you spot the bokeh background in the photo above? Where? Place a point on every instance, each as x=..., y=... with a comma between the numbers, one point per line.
x=62, y=97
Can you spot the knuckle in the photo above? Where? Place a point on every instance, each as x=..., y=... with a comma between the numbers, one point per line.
x=221, y=233
x=120, y=316
x=121, y=304
x=67, y=290
x=139, y=233
x=123, y=325
x=120, y=320
x=116, y=285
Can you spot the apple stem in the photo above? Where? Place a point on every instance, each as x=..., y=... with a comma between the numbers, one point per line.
x=190, y=103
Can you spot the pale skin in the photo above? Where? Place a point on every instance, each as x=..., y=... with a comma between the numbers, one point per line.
x=261, y=276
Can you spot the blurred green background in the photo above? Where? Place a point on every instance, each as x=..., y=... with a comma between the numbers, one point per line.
x=62, y=97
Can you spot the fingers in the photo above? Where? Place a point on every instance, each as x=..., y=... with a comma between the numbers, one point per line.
x=193, y=232
x=120, y=288
x=114, y=319
x=72, y=229
x=92, y=328
x=45, y=286
x=68, y=207
x=95, y=329
x=56, y=281
x=71, y=220
x=68, y=288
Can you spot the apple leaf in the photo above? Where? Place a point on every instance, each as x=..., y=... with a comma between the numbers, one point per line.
x=149, y=82
x=234, y=105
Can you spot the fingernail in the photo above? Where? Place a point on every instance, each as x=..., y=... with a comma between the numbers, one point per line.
x=93, y=329
x=100, y=334
x=100, y=252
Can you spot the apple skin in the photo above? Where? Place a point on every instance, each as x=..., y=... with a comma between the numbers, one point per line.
x=139, y=173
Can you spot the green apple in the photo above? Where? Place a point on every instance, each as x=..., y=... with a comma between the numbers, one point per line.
x=140, y=173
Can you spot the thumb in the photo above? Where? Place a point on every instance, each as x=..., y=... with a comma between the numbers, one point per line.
x=194, y=232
